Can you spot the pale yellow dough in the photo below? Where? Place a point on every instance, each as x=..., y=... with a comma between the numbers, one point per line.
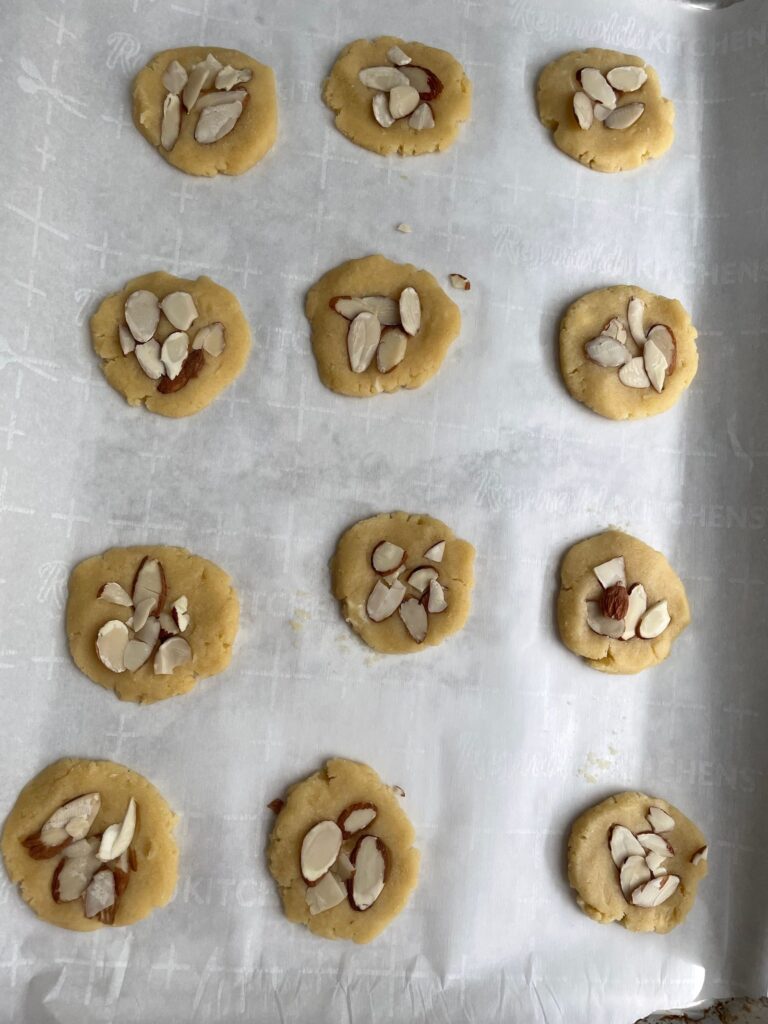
x=578, y=584
x=353, y=578
x=601, y=148
x=325, y=795
x=375, y=275
x=251, y=138
x=599, y=387
x=594, y=876
x=213, y=607
x=126, y=376
x=153, y=882
x=351, y=101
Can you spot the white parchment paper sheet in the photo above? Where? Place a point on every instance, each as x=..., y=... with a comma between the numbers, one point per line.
x=499, y=737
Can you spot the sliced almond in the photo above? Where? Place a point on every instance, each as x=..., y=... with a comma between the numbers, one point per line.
x=137, y=653
x=382, y=78
x=425, y=82
x=390, y=578
x=627, y=78
x=638, y=602
x=655, y=621
x=436, y=552
x=319, y=850
x=117, y=838
x=149, y=633
x=174, y=352
x=371, y=860
x=111, y=641
x=343, y=868
x=404, y=229
x=602, y=624
x=380, y=107
x=174, y=77
x=71, y=821
x=607, y=351
x=180, y=613
x=387, y=310
x=611, y=572
x=594, y=84
x=229, y=77
x=81, y=847
x=655, y=892
x=171, y=123
x=115, y=594
x=664, y=340
x=100, y=896
x=633, y=872
x=73, y=875
x=601, y=112
x=210, y=338
x=655, y=365
x=398, y=56
x=422, y=118
x=660, y=820
x=615, y=329
x=623, y=843
x=459, y=282
x=652, y=842
x=584, y=110
x=391, y=350
x=180, y=309
x=216, y=122
x=150, y=582
x=420, y=578
x=171, y=654
x=655, y=863
x=624, y=116
x=635, y=317
x=126, y=339
x=410, y=310
x=384, y=601
x=414, y=616
x=325, y=895
x=700, y=855
x=142, y=314
x=148, y=356
x=215, y=99
x=633, y=375
x=387, y=556
x=143, y=611
x=200, y=77
x=191, y=366
x=168, y=625
x=403, y=100
x=363, y=338
x=436, y=601
x=355, y=818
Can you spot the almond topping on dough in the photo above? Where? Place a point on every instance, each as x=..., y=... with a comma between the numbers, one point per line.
x=362, y=341
x=190, y=368
x=142, y=314
x=144, y=609
x=636, y=605
x=635, y=315
x=664, y=340
x=422, y=118
x=171, y=123
x=370, y=858
x=382, y=78
x=380, y=106
x=659, y=819
x=655, y=621
x=410, y=310
x=625, y=117
x=387, y=556
x=656, y=891
x=611, y=572
x=326, y=894
x=180, y=613
x=607, y=351
x=655, y=862
x=355, y=818
x=652, y=842
x=171, y=654
x=100, y=896
x=655, y=365
x=583, y=109
x=384, y=601
x=414, y=616
x=149, y=633
x=137, y=653
x=229, y=77
x=115, y=594
x=601, y=624
x=216, y=122
x=73, y=875
x=210, y=338
x=700, y=855
x=126, y=339
x=70, y=822
x=117, y=838
x=403, y=100
x=425, y=82
x=148, y=356
x=623, y=843
x=615, y=329
x=436, y=601
x=174, y=77
x=627, y=78
x=436, y=552
x=398, y=56
x=319, y=850
x=633, y=375
x=391, y=350
x=111, y=642
x=385, y=309
x=633, y=872
x=174, y=352
x=420, y=578
x=150, y=582
x=596, y=87
x=180, y=309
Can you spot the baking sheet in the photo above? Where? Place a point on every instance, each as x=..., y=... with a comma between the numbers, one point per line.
x=499, y=737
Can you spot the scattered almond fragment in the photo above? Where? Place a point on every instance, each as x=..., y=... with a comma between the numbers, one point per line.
x=398, y=56
x=436, y=601
x=624, y=117
x=633, y=375
x=602, y=624
x=655, y=621
x=229, y=77
x=596, y=87
x=100, y=896
x=180, y=309
x=216, y=122
x=420, y=578
x=436, y=552
x=117, y=838
x=652, y=842
x=380, y=106
x=460, y=282
x=700, y=855
x=115, y=594
x=414, y=617
x=636, y=605
x=173, y=353
x=627, y=78
x=383, y=78
x=655, y=364
x=404, y=229
x=583, y=109
x=150, y=582
x=424, y=81
x=659, y=820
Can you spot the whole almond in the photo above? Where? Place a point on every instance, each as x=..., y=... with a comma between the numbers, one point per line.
x=615, y=601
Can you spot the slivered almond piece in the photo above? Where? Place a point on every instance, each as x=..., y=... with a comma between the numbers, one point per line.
x=436, y=552
x=398, y=56
x=633, y=375
x=583, y=108
x=596, y=87
x=602, y=624
x=607, y=351
x=659, y=819
x=655, y=892
x=700, y=855
x=391, y=350
x=384, y=601
x=627, y=78
x=216, y=122
x=625, y=116
x=623, y=843
x=319, y=850
x=215, y=99
x=180, y=309
x=403, y=100
x=387, y=556
x=171, y=654
x=638, y=602
x=370, y=858
x=355, y=818
x=148, y=356
x=137, y=653
x=174, y=351
x=611, y=572
x=382, y=78
x=459, y=282
x=115, y=594
x=180, y=613
x=171, y=123
x=363, y=338
x=387, y=310
x=424, y=81
x=664, y=340
x=229, y=77
x=652, y=842
x=633, y=872
x=126, y=339
x=414, y=616
x=655, y=365
x=100, y=896
x=210, y=338
x=655, y=621
x=150, y=582
x=635, y=317
x=73, y=875
x=419, y=579
x=380, y=107
x=174, y=77
x=111, y=641
x=410, y=310
x=200, y=77
x=325, y=895
x=117, y=838
x=142, y=314
x=422, y=118
x=436, y=601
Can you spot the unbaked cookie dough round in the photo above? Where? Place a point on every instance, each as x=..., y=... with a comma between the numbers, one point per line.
x=404, y=582
x=426, y=120
x=621, y=605
x=637, y=860
x=612, y=368
x=234, y=111
x=189, y=615
x=219, y=330
x=145, y=874
x=598, y=146
x=353, y=796
x=370, y=334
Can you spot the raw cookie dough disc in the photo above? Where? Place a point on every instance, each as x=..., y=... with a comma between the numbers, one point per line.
x=214, y=305
x=376, y=276
x=601, y=148
x=353, y=578
x=578, y=584
x=214, y=612
x=595, y=877
x=251, y=138
x=599, y=387
x=323, y=796
x=150, y=885
x=351, y=101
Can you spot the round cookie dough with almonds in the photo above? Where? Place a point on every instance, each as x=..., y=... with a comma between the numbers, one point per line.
x=621, y=605
x=391, y=96
x=149, y=622
x=404, y=582
x=637, y=860
x=90, y=843
x=170, y=343
x=379, y=326
x=207, y=110
x=627, y=353
x=605, y=109
x=342, y=854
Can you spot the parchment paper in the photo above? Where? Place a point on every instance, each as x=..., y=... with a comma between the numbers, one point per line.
x=499, y=737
